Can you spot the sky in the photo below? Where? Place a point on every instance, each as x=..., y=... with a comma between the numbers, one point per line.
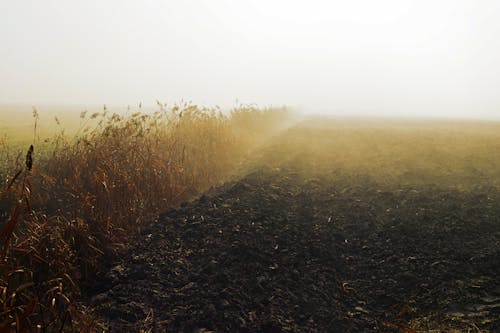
x=357, y=57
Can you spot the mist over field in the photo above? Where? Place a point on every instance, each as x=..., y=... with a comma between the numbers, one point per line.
x=399, y=58
x=250, y=166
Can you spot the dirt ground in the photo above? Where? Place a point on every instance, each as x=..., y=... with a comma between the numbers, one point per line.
x=303, y=241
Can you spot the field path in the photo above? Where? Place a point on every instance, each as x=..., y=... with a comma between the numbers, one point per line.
x=297, y=245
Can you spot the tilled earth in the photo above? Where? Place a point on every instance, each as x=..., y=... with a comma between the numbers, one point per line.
x=280, y=250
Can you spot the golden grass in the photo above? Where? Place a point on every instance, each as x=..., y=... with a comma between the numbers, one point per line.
x=457, y=154
x=87, y=196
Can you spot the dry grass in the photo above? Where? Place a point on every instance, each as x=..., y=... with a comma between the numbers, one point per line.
x=456, y=154
x=88, y=196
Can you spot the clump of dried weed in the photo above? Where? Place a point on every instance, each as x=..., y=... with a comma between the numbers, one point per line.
x=76, y=204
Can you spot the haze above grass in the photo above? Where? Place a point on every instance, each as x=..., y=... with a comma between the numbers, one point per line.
x=390, y=57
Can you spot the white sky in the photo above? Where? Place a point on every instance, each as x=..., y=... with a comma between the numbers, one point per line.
x=422, y=57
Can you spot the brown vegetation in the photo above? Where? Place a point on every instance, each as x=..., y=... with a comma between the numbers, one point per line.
x=78, y=202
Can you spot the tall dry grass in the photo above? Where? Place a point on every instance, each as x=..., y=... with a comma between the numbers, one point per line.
x=74, y=204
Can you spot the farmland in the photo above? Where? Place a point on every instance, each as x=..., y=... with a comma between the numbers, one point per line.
x=202, y=222
x=71, y=205
x=335, y=225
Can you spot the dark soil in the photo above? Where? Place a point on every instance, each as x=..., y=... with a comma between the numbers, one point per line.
x=282, y=250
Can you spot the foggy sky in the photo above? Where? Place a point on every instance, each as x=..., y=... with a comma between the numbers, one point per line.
x=385, y=57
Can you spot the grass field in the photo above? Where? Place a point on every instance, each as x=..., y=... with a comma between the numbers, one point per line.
x=452, y=153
